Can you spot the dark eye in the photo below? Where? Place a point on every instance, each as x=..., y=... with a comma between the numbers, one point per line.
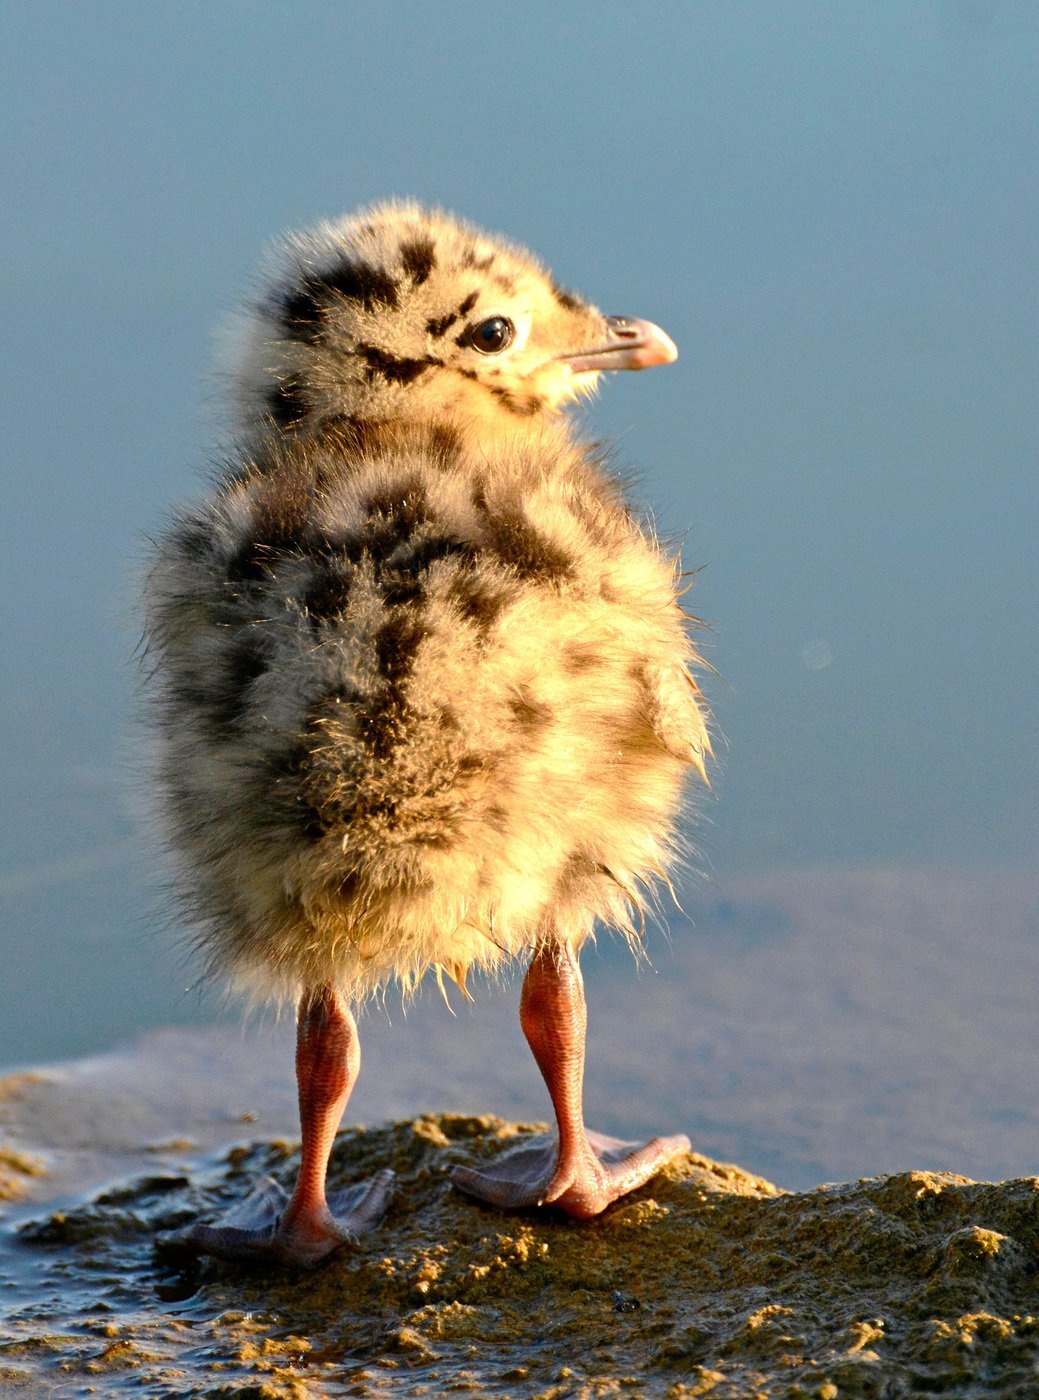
x=492, y=336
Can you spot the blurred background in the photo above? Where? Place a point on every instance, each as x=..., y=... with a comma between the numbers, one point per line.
x=834, y=212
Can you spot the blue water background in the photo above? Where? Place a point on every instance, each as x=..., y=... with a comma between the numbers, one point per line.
x=832, y=209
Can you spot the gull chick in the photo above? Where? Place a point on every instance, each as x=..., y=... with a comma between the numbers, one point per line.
x=422, y=683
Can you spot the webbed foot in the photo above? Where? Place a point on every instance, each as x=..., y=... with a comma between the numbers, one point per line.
x=265, y=1228
x=581, y=1182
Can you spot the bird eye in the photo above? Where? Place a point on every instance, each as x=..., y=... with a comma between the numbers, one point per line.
x=492, y=336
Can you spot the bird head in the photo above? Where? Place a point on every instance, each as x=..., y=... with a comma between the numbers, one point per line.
x=401, y=314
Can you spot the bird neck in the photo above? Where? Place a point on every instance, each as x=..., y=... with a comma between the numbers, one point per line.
x=447, y=437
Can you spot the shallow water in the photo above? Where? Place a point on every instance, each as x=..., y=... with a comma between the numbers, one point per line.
x=812, y=1026
x=816, y=1027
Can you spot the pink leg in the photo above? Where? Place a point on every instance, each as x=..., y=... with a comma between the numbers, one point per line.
x=304, y=1228
x=577, y=1171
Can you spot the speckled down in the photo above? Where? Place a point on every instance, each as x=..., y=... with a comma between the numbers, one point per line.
x=422, y=683
x=414, y=717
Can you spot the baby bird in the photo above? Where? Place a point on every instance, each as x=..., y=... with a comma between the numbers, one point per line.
x=421, y=682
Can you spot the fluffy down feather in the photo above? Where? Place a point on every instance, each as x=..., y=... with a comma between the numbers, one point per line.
x=421, y=681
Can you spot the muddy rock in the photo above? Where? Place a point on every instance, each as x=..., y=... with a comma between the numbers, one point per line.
x=708, y=1281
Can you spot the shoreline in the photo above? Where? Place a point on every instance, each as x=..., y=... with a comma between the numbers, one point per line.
x=707, y=1281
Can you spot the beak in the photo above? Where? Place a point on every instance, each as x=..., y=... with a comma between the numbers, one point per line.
x=629, y=344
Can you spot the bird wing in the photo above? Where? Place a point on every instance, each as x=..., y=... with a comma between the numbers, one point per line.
x=677, y=714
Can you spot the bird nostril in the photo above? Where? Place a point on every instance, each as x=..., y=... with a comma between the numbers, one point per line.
x=620, y=328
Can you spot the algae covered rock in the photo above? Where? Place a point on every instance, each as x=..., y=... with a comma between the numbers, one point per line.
x=708, y=1281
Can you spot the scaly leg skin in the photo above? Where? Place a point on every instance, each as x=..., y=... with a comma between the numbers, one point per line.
x=301, y=1230
x=576, y=1171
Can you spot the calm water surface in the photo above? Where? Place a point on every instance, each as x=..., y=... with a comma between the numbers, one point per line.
x=834, y=214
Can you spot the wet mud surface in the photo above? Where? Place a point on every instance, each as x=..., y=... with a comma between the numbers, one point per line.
x=708, y=1281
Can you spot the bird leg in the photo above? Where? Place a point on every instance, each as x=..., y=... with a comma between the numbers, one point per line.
x=302, y=1229
x=575, y=1170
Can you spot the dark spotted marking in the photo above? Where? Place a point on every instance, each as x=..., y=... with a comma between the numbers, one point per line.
x=635, y=735
x=378, y=540
x=304, y=308
x=447, y=720
x=405, y=500
x=523, y=406
x=445, y=444
x=529, y=554
x=418, y=258
x=362, y=438
x=281, y=510
x=355, y=435
x=350, y=887
x=244, y=662
x=397, y=526
x=472, y=763
x=328, y=594
x=435, y=547
x=327, y=707
x=397, y=369
x=529, y=713
x=576, y=873
x=274, y=809
x=603, y=515
x=396, y=643
x=193, y=541
x=191, y=694
x=466, y=373
x=476, y=601
x=358, y=885
x=407, y=582
x=464, y=307
x=567, y=300
x=440, y=325
x=360, y=281
x=395, y=515
x=401, y=588
x=434, y=840
x=286, y=402
x=578, y=657
x=280, y=526
x=311, y=822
